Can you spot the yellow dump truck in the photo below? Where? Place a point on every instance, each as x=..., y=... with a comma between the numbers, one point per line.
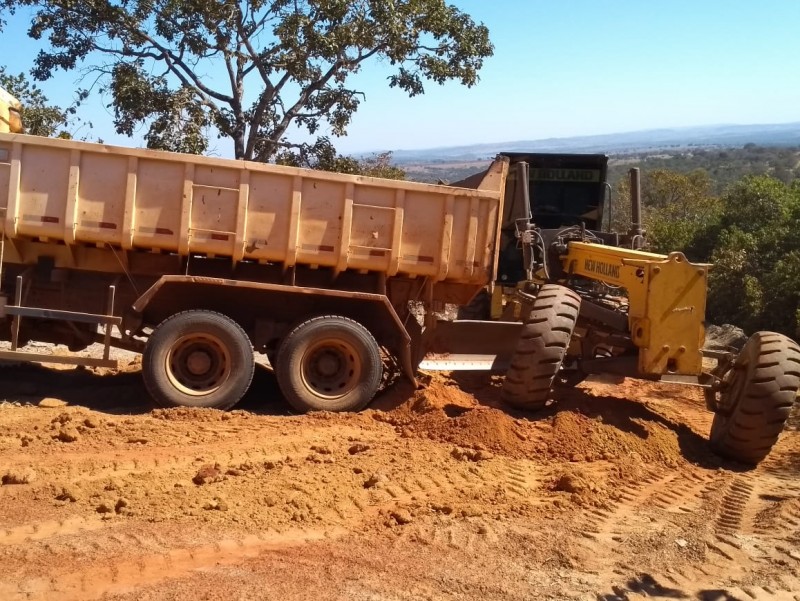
x=208, y=259
x=198, y=262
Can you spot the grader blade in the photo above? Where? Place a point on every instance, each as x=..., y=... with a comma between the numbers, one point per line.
x=463, y=362
x=470, y=345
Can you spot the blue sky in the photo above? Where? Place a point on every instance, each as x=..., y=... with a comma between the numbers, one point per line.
x=569, y=67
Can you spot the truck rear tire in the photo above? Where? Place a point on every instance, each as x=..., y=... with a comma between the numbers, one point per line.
x=760, y=390
x=198, y=359
x=329, y=363
x=541, y=347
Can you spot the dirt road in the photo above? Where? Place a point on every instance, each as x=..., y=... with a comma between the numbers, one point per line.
x=430, y=494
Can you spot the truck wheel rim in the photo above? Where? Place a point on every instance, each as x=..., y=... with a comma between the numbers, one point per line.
x=331, y=368
x=198, y=364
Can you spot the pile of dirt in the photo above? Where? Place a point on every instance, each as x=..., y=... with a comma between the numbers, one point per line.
x=446, y=413
x=585, y=487
x=606, y=436
x=579, y=427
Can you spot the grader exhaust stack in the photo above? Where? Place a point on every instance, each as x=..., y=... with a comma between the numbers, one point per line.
x=636, y=232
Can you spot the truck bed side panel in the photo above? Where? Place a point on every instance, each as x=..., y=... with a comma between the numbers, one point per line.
x=79, y=193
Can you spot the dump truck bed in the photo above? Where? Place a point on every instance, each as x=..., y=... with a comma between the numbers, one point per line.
x=79, y=193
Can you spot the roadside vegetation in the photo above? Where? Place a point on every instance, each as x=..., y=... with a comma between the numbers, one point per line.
x=748, y=231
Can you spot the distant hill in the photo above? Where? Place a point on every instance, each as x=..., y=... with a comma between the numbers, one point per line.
x=785, y=134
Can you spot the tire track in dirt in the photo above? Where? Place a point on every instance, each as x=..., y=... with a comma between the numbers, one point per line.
x=467, y=535
x=524, y=481
x=430, y=582
x=676, y=496
x=38, y=531
x=149, y=477
x=687, y=492
x=148, y=569
x=95, y=580
x=88, y=466
x=668, y=490
x=737, y=501
x=361, y=506
x=785, y=474
x=744, y=558
x=451, y=518
x=92, y=478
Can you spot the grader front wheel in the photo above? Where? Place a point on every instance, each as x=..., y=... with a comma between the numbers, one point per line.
x=756, y=398
x=541, y=347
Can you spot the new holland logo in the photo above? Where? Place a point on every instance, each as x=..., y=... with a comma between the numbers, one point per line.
x=607, y=269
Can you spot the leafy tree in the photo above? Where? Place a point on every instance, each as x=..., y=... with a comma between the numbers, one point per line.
x=755, y=281
x=621, y=207
x=251, y=69
x=662, y=188
x=380, y=165
x=39, y=117
x=735, y=292
x=758, y=204
x=679, y=207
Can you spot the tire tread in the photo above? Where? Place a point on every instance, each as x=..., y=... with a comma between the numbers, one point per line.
x=759, y=416
x=541, y=347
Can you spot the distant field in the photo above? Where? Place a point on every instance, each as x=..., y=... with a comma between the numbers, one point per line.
x=443, y=171
x=724, y=165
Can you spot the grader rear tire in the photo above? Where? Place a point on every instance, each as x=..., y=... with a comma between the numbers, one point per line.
x=541, y=347
x=759, y=393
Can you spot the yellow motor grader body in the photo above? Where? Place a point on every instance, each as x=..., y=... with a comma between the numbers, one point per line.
x=572, y=299
x=666, y=302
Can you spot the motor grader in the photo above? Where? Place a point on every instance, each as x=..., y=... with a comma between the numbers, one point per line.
x=199, y=263
x=588, y=301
